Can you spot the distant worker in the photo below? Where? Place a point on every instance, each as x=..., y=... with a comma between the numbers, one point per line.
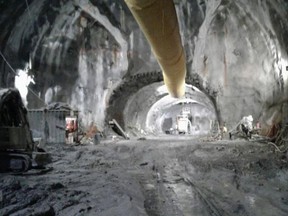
x=70, y=129
x=244, y=126
x=70, y=126
x=247, y=125
x=223, y=130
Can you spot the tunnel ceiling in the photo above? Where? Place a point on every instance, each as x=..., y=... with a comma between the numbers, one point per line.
x=83, y=52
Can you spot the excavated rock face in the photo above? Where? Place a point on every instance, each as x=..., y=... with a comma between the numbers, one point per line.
x=83, y=52
x=241, y=52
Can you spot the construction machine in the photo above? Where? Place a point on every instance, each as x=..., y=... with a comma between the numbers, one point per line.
x=16, y=142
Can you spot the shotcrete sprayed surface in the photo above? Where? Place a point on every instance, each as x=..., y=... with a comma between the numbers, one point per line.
x=154, y=176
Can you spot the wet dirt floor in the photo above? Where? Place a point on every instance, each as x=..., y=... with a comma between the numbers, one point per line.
x=164, y=176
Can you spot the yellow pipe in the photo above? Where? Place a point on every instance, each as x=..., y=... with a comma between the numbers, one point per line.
x=158, y=21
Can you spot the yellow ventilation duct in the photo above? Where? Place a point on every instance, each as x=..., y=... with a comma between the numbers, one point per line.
x=158, y=21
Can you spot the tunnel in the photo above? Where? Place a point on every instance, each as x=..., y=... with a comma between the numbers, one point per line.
x=236, y=57
x=160, y=117
x=158, y=87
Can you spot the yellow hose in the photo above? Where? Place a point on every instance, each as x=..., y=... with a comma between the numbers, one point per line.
x=158, y=21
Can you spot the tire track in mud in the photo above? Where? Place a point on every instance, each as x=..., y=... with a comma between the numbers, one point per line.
x=158, y=201
x=204, y=180
x=223, y=182
x=168, y=188
x=208, y=203
x=191, y=198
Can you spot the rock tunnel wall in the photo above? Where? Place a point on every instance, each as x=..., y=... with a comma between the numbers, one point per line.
x=242, y=54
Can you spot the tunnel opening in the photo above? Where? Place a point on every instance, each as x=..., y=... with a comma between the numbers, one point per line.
x=185, y=117
x=142, y=105
x=152, y=111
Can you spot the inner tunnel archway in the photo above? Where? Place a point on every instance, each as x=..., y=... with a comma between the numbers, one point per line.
x=140, y=105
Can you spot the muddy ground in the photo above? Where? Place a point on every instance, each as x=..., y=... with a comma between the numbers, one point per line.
x=157, y=176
